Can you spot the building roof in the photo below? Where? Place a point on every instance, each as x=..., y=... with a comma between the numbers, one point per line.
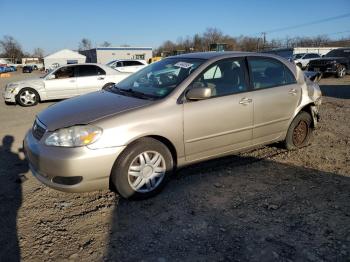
x=123, y=48
x=64, y=53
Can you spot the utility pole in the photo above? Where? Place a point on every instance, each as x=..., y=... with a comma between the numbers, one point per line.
x=264, y=38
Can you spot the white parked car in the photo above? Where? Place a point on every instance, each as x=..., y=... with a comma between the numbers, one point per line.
x=127, y=65
x=64, y=82
x=302, y=60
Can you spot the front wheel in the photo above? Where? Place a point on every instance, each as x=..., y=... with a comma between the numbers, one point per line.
x=299, y=132
x=27, y=97
x=108, y=86
x=143, y=169
x=341, y=72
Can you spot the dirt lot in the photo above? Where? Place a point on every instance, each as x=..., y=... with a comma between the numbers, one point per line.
x=264, y=205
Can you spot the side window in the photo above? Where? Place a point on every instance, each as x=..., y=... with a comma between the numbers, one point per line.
x=65, y=72
x=136, y=63
x=224, y=77
x=100, y=71
x=128, y=63
x=314, y=56
x=119, y=64
x=289, y=77
x=87, y=70
x=268, y=72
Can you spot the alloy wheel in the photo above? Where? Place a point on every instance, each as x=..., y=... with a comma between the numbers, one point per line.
x=27, y=97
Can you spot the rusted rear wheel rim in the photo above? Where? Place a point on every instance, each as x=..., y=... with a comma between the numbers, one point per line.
x=300, y=133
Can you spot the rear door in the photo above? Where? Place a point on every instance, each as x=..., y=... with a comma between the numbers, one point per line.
x=276, y=94
x=63, y=85
x=90, y=78
x=223, y=122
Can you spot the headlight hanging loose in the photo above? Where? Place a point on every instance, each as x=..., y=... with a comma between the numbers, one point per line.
x=74, y=136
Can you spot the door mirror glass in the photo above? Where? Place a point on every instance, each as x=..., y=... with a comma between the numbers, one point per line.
x=199, y=93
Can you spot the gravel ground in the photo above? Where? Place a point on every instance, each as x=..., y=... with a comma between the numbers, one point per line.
x=264, y=205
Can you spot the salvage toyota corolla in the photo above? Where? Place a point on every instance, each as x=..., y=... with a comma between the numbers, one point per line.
x=172, y=113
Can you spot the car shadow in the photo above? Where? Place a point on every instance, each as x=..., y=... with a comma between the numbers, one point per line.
x=237, y=208
x=12, y=169
x=336, y=91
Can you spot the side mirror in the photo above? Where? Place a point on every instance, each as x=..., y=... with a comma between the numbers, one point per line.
x=199, y=93
x=50, y=77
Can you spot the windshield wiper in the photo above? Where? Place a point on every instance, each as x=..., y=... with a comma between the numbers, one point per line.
x=134, y=93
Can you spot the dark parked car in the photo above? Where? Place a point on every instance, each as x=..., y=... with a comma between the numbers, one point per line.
x=336, y=62
x=27, y=69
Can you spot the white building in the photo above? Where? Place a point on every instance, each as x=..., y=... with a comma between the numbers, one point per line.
x=103, y=55
x=317, y=50
x=63, y=57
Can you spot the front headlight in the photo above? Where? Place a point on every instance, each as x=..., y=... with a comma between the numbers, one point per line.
x=74, y=136
x=11, y=88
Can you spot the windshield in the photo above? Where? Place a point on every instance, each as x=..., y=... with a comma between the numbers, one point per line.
x=158, y=79
x=111, y=62
x=338, y=53
x=297, y=56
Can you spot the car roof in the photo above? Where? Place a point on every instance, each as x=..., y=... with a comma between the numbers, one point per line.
x=228, y=54
x=104, y=67
x=224, y=54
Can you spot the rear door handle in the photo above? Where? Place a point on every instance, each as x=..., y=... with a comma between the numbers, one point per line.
x=100, y=78
x=245, y=101
x=293, y=91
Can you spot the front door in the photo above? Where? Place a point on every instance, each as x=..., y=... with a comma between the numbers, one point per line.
x=63, y=84
x=222, y=123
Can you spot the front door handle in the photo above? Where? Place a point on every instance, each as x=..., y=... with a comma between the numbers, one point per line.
x=245, y=101
x=293, y=91
x=100, y=78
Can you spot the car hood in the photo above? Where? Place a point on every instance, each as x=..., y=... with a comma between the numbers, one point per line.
x=87, y=108
x=30, y=82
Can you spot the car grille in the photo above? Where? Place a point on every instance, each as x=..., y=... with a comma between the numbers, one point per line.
x=38, y=129
x=319, y=63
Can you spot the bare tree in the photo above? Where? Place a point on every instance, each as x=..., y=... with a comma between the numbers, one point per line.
x=106, y=44
x=11, y=48
x=38, y=52
x=85, y=44
x=212, y=35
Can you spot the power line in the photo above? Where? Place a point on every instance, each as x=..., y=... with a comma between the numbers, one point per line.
x=308, y=23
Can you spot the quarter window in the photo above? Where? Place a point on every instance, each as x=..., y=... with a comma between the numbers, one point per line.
x=267, y=73
x=224, y=78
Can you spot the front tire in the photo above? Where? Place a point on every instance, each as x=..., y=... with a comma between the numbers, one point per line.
x=108, y=86
x=299, y=132
x=27, y=97
x=341, y=72
x=143, y=169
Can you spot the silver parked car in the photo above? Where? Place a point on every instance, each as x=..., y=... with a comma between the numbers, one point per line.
x=172, y=113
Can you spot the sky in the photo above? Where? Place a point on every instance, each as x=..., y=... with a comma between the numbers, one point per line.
x=54, y=25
